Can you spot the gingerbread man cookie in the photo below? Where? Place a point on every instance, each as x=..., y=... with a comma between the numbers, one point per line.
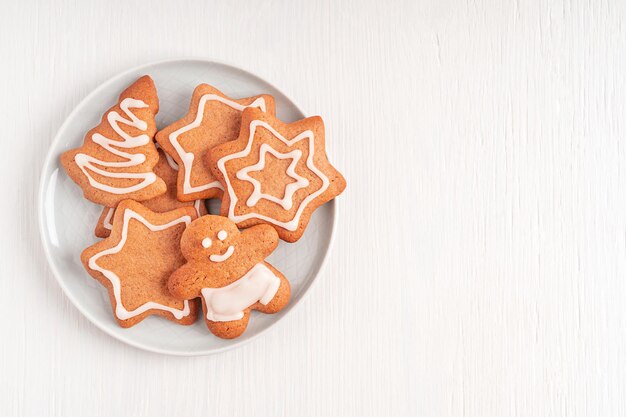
x=226, y=268
x=275, y=173
x=166, y=169
x=213, y=118
x=136, y=260
x=116, y=159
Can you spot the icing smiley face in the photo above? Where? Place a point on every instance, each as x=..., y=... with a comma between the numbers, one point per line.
x=207, y=242
x=214, y=239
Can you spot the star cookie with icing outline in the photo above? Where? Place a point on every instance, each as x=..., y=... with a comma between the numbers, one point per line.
x=275, y=173
x=117, y=157
x=134, y=263
x=213, y=118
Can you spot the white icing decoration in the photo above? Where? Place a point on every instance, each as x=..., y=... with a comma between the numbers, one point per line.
x=120, y=310
x=106, y=223
x=169, y=159
x=224, y=256
x=196, y=205
x=86, y=162
x=187, y=157
x=293, y=223
x=227, y=303
x=174, y=166
x=171, y=162
x=207, y=242
x=222, y=235
x=287, y=201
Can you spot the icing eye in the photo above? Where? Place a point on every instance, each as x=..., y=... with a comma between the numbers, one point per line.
x=206, y=242
x=222, y=235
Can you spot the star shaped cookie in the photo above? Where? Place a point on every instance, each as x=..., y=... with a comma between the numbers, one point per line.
x=136, y=260
x=290, y=193
x=213, y=119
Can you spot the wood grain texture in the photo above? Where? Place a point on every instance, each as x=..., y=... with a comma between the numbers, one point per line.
x=479, y=265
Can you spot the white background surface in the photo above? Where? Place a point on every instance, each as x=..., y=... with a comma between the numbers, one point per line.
x=479, y=264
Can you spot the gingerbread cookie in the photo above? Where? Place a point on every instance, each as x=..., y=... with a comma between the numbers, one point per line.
x=213, y=118
x=275, y=173
x=116, y=159
x=226, y=268
x=166, y=169
x=135, y=262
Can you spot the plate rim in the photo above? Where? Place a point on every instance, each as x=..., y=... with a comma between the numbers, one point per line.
x=45, y=241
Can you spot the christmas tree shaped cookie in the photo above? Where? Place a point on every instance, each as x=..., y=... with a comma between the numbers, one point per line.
x=117, y=157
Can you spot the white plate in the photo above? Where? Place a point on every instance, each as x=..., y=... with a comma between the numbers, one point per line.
x=67, y=220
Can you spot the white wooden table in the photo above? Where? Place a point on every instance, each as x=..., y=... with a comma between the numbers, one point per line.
x=479, y=267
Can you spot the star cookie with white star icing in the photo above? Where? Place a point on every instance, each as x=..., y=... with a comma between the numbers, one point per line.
x=227, y=269
x=134, y=263
x=213, y=119
x=275, y=173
